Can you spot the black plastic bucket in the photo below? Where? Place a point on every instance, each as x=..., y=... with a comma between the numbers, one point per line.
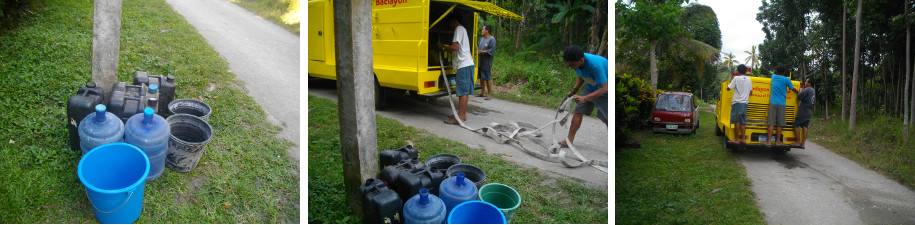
x=190, y=107
x=189, y=136
x=471, y=172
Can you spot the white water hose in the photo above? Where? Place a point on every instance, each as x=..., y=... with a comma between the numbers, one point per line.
x=510, y=132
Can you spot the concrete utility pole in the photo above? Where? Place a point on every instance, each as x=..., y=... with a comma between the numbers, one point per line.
x=106, y=40
x=355, y=96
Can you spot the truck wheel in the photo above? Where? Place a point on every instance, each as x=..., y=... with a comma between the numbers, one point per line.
x=726, y=147
x=718, y=131
x=379, y=96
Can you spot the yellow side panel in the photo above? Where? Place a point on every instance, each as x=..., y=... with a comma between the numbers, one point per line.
x=316, y=31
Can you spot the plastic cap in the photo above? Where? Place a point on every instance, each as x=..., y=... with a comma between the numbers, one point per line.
x=170, y=78
x=90, y=84
x=153, y=88
x=148, y=115
x=460, y=179
x=99, y=112
x=423, y=196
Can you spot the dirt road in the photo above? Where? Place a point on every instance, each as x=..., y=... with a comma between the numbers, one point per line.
x=817, y=186
x=591, y=140
x=259, y=52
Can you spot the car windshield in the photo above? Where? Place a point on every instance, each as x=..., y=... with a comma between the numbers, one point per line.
x=673, y=103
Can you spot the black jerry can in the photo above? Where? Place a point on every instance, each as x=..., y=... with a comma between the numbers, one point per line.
x=391, y=174
x=380, y=204
x=408, y=184
x=79, y=106
x=392, y=157
x=166, y=90
x=127, y=100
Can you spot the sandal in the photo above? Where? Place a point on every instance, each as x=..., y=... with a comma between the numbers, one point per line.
x=562, y=144
x=452, y=121
x=480, y=95
x=488, y=97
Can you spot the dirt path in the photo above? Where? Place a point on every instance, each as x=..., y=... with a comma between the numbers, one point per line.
x=817, y=186
x=259, y=52
x=591, y=140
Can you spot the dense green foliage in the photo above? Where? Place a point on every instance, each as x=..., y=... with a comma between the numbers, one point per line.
x=545, y=199
x=683, y=179
x=11, y=11
x=549, y=26
x=633, y=101
x=245, y=175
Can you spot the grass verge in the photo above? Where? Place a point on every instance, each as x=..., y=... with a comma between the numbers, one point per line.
x=274, y=11
x=544, y=199
x=677, y=179
x=244, y=176
x=541, y=81
x=876, y=144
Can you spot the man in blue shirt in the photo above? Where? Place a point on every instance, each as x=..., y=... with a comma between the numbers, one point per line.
x=778, y=90
x=593, y=70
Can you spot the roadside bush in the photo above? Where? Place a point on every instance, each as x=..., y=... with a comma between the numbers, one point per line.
x=633, y=101
x=10, y=11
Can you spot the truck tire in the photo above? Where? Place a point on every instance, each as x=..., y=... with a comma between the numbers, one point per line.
x=718, y=131
x=379, y=96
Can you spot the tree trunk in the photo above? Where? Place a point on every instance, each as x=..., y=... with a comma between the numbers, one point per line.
x=908, y=40
x=603, y=45
x=524, y=8
x=844, y=92
x=854, y=78
x=653, y=66
x=594, y=41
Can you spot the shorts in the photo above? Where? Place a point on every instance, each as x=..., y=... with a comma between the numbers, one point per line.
x=776, y=115
x=803, y=124
x=464, y=81
x=739, y=113
x=588, y=106
x=485, y=74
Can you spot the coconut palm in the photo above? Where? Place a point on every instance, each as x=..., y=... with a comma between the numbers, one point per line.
x=729, y=61
x=752, y=59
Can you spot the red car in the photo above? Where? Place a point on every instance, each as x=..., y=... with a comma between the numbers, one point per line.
x=675, y=112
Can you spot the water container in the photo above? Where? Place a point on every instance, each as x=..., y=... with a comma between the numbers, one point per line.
x=380, y=204
x=391, y=174
x=424, y=208
x=114, y=176
x=79, y=106
x=127, y=100
x=408, y=184
x=456, y=190
x=152, y=97
x=392, y=157
x=150, y=133
x=476, y=212
x=166, y=89
x=442, y=161
x=99, y=128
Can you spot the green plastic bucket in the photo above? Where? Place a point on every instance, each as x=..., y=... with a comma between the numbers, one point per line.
x=503, y=197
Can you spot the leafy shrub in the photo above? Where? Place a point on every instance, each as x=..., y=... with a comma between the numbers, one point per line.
x=10, y=11
x=633, y=101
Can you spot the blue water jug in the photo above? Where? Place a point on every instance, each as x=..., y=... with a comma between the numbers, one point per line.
x=150, y=133
x=424, y=208
x=99, y=128
x=456, y=190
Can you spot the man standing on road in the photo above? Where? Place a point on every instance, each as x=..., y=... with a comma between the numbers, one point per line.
x=486, y=50
x=462, y=62
x=593, y=70
x=777, y=104
x=804, y=112
x=742, y=87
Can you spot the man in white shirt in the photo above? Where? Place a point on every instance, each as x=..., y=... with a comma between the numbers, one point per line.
x=462, y=62
x=742, y=86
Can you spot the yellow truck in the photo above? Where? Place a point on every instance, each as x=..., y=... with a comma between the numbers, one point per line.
x=757, y=116
x=404, y=36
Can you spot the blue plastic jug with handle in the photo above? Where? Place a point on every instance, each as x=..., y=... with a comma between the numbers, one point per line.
x=150, y=133
x=99, y=128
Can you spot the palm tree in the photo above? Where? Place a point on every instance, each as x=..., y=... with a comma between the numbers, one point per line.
x=729, y=61
x=752, y=59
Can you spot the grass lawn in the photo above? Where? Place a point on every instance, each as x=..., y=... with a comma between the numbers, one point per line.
x=273, y=11
x=245, y=175
x=531, y=80
x=677, y=179
x=544, y=199
x=877, y=143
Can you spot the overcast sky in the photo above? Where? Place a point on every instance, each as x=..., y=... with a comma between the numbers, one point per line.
x=739, y=28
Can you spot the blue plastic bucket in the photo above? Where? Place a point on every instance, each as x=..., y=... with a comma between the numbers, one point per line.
x=114, y=175
x=476, y=212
